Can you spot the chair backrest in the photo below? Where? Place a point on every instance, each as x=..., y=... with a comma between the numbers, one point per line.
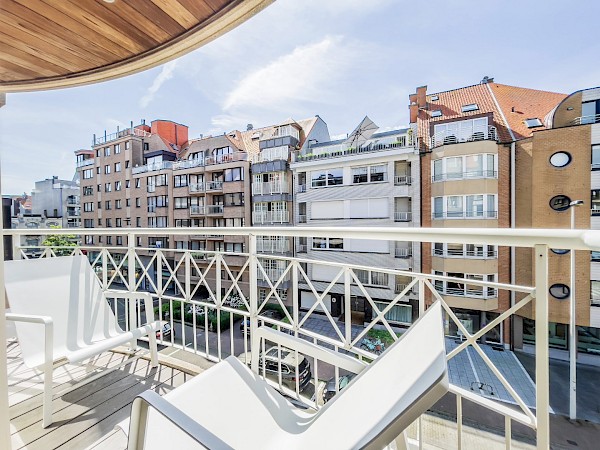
x=387, y=396
x=66, y=289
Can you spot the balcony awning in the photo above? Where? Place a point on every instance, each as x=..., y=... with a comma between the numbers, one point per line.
x=58, y=43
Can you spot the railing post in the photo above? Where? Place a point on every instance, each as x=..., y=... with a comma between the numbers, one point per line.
x=295, y=299
x=131, y=302
x=542, y=379
x=253, y=270
x=347, y=307
x=421, y=297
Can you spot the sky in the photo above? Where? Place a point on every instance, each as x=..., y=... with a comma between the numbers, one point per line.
x=340, y=59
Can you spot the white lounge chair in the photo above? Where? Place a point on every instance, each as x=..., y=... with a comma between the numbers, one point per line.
x=229, y=406
x=64, y=295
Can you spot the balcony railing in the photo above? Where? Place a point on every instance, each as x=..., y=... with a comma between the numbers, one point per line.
x=271, y=154
x=302, y=218
x=266, y=217
x=403, y=252
x=154, y=167
x=402, y=180
x=196, y=188
x=228, y=298
x=214, y=185
x=465, y=215
x=197, y=210
x=85, y=162
x=300, y=188
x=270, y=187
x=476, y=254
x=214, y=209
x=340, y=150
x=273, y=245
x=584, y=120
x=226, y=158
x=464, y=175
x=188, y=163
x=478, y=134
x=120, y=134
x=402, y=216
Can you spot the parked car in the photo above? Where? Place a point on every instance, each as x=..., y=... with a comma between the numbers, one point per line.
x=330, y=391
x=165, y=332
x=268, y=313
x=288, y=367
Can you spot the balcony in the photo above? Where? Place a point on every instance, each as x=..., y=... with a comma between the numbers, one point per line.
x=269, y=217
x=465, y=215
x=205, y=330
x=300, y=188
x=402, y=216
x=154, y=167
x=403, y=252
x=272, y=154
x=402, y=180
x=120, y=134
x=585, y=120
x=271, y=187
x=197, y=210
x=302, y=218
x=477, y=134
x=213, y=210
x=196, y=188
x=273, y=245
x=213, y=186
x=226, y=158
x=341, y=150
x=188, y=163
x=449, y=176
x=85, y=162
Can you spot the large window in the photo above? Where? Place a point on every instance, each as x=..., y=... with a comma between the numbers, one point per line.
x=595, y=292
x=235, y=174
x=88, y=207
x=88, y=173
x=157, y=222
x=372, y=278
x=322, y=243
x=461, y=131
x=88, y=190
x=482, y=206
x=482, y=165
x=160, y=201
x=464, y=285
x=331, y=177
x=234, y=199
x=369, y=174
x=182, y=202
x=180, y=180
x=595, y=157
x=464, y=250
x=595, y=201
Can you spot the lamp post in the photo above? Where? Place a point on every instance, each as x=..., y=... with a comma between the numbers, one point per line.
x=573, y=327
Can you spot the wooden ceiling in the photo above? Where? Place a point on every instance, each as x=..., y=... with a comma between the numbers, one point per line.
x=46, y=44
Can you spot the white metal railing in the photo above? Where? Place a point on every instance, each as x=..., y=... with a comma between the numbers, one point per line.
x=465, y=215
x=402, y=180
x=120, y=134
x=339, y=150
x=301, y=218
x=226, y=158
x=262, y=217
x=464, y=175
x=270, y=187
x=584, y=120
x=214, y=209
x=477, y=254
x=195, y=188
x=214, y=185
x=154, y=167
x=85, y=162
x=188, y=163
x=197, y=210
x=277, y=245
x=300, y=188
x=402, y=216
x=456, y=137
x=177, y=277
x=403, y=252
x=272, y=154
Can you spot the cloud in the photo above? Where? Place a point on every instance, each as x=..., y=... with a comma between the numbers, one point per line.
x=308, y=74
x=165, y=74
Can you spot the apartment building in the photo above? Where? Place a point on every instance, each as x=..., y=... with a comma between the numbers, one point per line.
x=57, y=199
x=369, y=179
x=557, y=165
x=271, y=150
x=466, y=138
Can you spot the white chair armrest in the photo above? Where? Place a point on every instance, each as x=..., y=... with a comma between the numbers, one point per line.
x=150, y=399
x=148, y=302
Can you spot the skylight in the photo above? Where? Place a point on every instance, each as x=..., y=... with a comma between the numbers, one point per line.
x=434, y=98
x=532, y=123
x=471, y=107
x=436, y=113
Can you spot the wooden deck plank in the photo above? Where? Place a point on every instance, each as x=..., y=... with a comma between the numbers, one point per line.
x=98, y=406
x=116, y=440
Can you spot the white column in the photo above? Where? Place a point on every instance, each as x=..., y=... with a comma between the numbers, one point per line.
x=542, y=379
x=253, y=270
x=572, y=332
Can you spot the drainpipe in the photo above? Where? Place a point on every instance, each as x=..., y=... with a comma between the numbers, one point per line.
x=513, y=207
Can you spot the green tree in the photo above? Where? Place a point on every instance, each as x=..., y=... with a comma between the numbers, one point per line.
x=60, y=240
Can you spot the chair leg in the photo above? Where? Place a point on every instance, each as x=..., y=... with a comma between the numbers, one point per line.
x=47, y=401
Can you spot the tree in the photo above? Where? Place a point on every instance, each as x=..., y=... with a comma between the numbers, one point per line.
x=60, y=240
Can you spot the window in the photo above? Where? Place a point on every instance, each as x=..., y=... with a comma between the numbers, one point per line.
x=127, y=164
x=138, y=222
x=88, y=207
x=182, y=223
x=117, y=149
x=127, y=145
x=561, y=159
x=98, y=170
x=107, y=204
x=372, y=278
x=117, y=185
x=533, y=123
x=471, y=107
x=465, y=206
x=138, y=183
x=234, y=247
x=323, y=243
x=119, y=240
x=138, y=202
x=88, y=223
x=368, y=174
x=107, y=169
x=89, y=240
x=182, y=202
x=118, y=222
x=107, y=187
x=88, y=173
x=160, y=201
x=117, y=167
x=108, y=223
x=157, y=222
x=559, y=291
x=463, y=287
x=560, y=202
x=595, y=202
x=434, y=98
x=331, y=177
x=98, y=152
x=108, y=240
x=118, y=203
x=127, y=184
x=99, y=222
x=99, y=205
x=106, y=151
x=128, y=202
x=99, y=188
x=595, y=292
x=234, y=199
x=180, y=180
x=461, y=131
x=235, y=174
x=436, y=113
x=88, y=190
x=561, y=251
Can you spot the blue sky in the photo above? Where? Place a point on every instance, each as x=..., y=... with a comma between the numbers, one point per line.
x=340, y=59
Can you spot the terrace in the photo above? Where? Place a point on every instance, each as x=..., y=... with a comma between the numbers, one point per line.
x=204, y=302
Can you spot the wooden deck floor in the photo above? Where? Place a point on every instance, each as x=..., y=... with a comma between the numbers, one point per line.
x=85, y=416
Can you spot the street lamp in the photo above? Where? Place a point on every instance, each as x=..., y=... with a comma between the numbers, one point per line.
x=573, y=327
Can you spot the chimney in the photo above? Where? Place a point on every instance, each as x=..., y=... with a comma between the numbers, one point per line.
x=417, y=100
x=487, y=79
x=249, y=127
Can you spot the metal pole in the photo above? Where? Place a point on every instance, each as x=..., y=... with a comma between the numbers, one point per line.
x=542, y=379
x=572, y=332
